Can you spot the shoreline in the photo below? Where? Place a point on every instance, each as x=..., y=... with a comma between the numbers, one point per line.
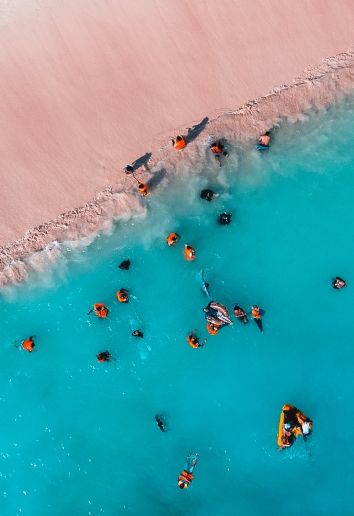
x=317, y=86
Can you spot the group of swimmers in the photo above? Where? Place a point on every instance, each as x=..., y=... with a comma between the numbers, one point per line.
x=293, y=422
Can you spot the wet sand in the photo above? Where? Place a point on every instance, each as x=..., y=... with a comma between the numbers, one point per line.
x=89, y=87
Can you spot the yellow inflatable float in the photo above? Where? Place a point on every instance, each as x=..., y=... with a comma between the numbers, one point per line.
x=292, y=423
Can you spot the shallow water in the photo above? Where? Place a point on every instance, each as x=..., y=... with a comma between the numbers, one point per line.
x=79, y=437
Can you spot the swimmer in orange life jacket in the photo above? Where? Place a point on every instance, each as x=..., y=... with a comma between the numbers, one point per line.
x=189, y=253
x=186, y=476
x=28, y=344
x=257, y=316
x=143, y=189
x=122, y=295
x=212, y=328
x=172, y=239
x=100, y=310
x=193, y=341
x=179, y=143
x=103, y=356
x=218, y=149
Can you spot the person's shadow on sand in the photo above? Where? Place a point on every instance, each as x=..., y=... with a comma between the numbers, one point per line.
x=143, y=160
x=157, y=178
x=195, y=131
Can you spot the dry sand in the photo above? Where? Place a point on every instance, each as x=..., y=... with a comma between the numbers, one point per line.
x=87, y=86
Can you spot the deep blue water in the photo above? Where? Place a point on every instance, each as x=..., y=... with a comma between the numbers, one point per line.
x=79, y=437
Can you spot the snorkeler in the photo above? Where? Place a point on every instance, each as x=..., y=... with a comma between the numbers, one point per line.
x=193, y=341
x=103, y=356
x=186, y=476
x=124, y=265
x=123, y=295
x=138, y=333
x=160, y=420
x=213, y=328
x=189, y=253
x=100, y=310
x=224, y=219
x=205, y=284
x=28, y=344
x=338, y=283
x=240, y=314
x=179, y=143
x=257, y=316
x=208, y=195
x=172, y=239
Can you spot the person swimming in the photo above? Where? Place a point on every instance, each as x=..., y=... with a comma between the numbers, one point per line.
x=179, y=143
x=224, y=219
x=172, y=239
x=189, y=253
x=338, y=283
x=103, y=356
x=213, y=328
x=100, y=310
x=240, y=314
x=218, y=149
x=257, y=316
x=205, y=284
x=186, y=476
x=138, y=333
x=207, y=195
x=28, y=344
x=264, y=140
x=124, y=265
x=123, y=295
x=194, y=342
x=161, y=423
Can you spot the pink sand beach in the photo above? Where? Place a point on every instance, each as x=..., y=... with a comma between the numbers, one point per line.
x=89, y=86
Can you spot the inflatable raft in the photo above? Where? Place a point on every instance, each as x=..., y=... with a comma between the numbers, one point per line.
x=292, y=423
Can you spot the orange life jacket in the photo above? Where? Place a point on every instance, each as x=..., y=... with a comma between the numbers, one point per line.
x=216, y=149
x=143, y=189
x=193, y=341
x=100, y=310
x=28, y=345
x=172, y=239
x=185, y=478
x=122, y=295
x=189, y=253
x=180, y=143
x=256, y=313
x=212, y=328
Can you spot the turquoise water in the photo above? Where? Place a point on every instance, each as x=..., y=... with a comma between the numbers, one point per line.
x=79, y=437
